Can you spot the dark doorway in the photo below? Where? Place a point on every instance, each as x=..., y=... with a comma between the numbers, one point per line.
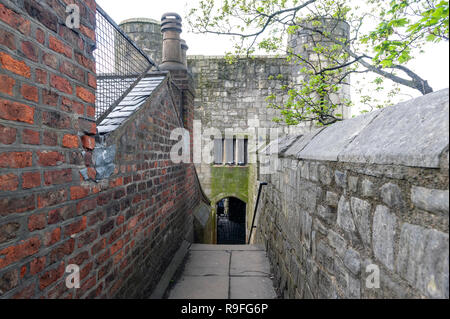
x=231, y=214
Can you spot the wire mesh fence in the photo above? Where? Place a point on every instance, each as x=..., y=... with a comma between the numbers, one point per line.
x=120, y=64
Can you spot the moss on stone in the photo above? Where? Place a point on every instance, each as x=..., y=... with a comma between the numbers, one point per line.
x=229, y=181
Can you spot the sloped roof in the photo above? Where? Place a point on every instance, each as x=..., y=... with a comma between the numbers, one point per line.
x=131, y=103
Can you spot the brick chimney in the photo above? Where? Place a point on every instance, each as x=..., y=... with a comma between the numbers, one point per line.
x=172, y=59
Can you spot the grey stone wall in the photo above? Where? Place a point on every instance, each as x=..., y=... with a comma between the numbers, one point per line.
x=233, y=96
x=370, y=192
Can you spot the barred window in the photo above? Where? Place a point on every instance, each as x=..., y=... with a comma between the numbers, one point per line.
x=231, y=151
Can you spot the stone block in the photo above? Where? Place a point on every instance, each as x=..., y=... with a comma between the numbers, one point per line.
x=431, y=200
x=368, y=188
x=332, y=199
x=345, y=218
x=325, y=175
x=352, y=261
x=392, y=196
x=384, y=225
x=361, y=214
x=423, y=260
x=341, y=179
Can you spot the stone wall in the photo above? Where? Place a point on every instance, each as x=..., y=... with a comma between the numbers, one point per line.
x=146, y=33
x=54, y=211
x=368, y=193
x=233, y=96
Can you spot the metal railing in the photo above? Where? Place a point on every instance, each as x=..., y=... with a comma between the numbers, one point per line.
x=256, y=211
x=120, y=65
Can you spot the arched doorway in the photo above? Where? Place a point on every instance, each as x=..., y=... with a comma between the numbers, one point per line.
x=231, y=218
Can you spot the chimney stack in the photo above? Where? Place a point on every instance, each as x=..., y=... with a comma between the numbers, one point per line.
x=184, y=48
x=172, y=59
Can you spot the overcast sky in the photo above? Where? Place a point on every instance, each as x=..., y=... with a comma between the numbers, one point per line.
x=434, y=65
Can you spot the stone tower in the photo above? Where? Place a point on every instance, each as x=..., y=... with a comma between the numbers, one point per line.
x=305, y=39
x=146, y=33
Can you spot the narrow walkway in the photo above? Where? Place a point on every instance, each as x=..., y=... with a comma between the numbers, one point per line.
x=225, y=272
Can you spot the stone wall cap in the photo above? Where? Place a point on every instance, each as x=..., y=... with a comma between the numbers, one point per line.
x=413, y=133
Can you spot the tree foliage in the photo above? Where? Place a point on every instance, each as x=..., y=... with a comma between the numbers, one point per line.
x=383, y=36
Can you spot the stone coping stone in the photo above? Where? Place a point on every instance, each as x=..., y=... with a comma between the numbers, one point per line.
x=301, y=143
x=329, y=143
x=413, y=133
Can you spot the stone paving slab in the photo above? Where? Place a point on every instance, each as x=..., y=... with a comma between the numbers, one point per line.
x=249, y=263
x=225, y=272
x=215, y=287
x=208, y=263
x=252, y=288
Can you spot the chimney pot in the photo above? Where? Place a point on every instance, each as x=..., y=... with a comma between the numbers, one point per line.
x=173, y=56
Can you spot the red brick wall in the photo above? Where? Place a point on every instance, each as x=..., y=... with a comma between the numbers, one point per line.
x=122, y=232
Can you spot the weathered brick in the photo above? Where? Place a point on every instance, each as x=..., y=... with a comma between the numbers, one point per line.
x=30, y=51
x=37, y=265
x=57, y=46
x=40, y=36
x=70, y=106
x=30, y=93
x=50, y=60
x=88, y=142
x=72, y=71
x=56, y=120
x=86, y=206
x=15, y=66
x=9, y=182
x=13, y=111
x=85, y=94
x=31, y=180
x=50, y=98
x=37, y=222
x=16, y=253
x=51, y=276
x=31, y=137
x=8, y=232
x=62, y=250
x=52, y=237
x=87, y=238
x=52, y=198
x=58, y=177
x=50, y=138
x=78, y=192
x=6, y=84
x=61, y=84
x=11, y=205
x=76, y=227
x=7, y=39
x=41, y=76
x=14, y=19
x=16, y=160
x=9, y=280
x=7, y=135
x=45, y=16
x=50, y=158
x=70, y=141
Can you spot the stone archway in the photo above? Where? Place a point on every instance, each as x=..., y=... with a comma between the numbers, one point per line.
x=231, y=215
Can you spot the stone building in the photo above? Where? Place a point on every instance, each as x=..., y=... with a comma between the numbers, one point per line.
x=231, y=105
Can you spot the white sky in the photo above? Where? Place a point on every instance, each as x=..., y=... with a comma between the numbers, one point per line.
x=433, y=65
